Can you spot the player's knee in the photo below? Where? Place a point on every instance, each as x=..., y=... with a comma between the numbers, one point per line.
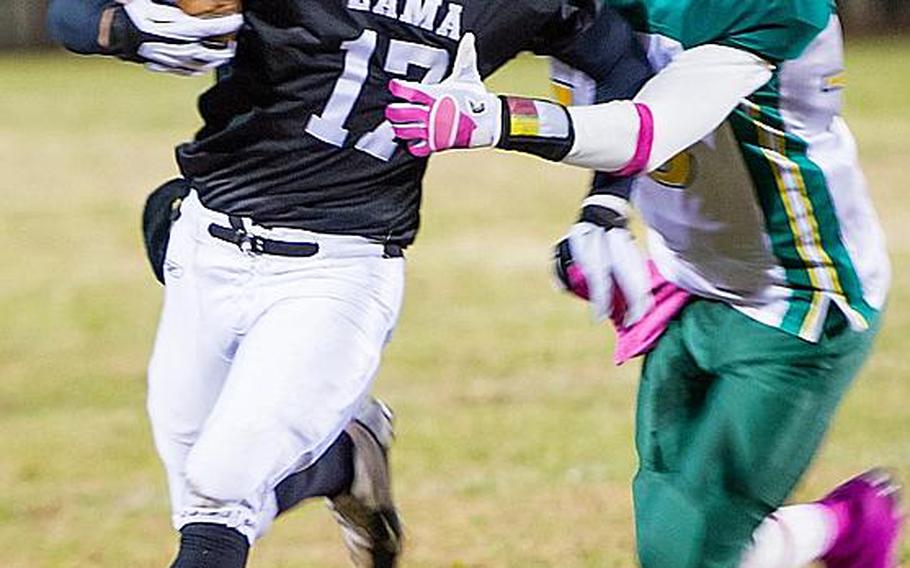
x=670, y=545
x=218, y=476
x=160, y=402
x=649, y=547
x=661, y=547
x=670, y=527
x=174, y=431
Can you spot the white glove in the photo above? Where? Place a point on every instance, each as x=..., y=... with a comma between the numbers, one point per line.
x=599, y=261
x=456, y=113
x=167, y=39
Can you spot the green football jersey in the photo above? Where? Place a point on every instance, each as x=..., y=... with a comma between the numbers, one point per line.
x=770, y=213
x=777, y=30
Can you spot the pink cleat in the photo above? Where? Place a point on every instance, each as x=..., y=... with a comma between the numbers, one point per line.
x=869, y=520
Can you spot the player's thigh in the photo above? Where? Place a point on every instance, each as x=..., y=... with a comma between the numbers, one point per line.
x=671, y=400
x=296, y=381
x=191, y=355
x=743, y=454
x=671, y=395
x=763, y=420
x=776, y=398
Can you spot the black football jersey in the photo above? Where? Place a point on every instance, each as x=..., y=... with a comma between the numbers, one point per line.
x=294, y=133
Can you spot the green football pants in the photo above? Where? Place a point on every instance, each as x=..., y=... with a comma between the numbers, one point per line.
x=730, y=414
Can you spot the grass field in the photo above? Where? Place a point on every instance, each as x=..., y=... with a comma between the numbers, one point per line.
x=515, y=432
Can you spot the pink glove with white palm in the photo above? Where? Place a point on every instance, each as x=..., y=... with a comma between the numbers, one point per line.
x=457, y=113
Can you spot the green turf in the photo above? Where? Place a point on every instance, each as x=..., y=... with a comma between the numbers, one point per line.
x=514, y=443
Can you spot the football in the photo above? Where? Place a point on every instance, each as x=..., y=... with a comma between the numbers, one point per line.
x=210, y=8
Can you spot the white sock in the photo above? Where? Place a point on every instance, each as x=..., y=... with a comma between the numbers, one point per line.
x=792, y=537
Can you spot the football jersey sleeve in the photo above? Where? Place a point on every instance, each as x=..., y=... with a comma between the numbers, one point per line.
x=606, y=60
x=607, y=52
x=568, y=19
x=776, y=30
x=74, y=23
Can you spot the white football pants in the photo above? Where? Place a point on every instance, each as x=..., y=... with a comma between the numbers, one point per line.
x=260, y=362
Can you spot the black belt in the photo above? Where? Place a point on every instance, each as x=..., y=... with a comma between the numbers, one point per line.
x=236, y=234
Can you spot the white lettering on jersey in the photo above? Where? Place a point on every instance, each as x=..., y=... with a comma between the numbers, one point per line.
x=388, y=8
x=359, y=5
x=421, y=13
x=451, y=25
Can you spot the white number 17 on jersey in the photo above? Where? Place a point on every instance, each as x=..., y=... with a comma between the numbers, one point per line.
x=380, y=142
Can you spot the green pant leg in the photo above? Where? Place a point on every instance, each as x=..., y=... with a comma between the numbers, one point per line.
x=770, y=400
x=671, y=395
x=775, y=400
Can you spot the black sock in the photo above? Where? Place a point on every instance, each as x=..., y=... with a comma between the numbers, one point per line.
x=331, y=475
x=206, y=545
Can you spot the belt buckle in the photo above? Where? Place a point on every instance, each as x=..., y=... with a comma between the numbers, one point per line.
x=250, y=245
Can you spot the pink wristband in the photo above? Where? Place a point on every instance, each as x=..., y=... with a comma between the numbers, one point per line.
x=642, y=155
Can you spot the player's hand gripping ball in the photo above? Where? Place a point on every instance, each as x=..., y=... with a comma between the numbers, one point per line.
x=187, y=37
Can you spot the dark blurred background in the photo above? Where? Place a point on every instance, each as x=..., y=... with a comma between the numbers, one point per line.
x=21, y=21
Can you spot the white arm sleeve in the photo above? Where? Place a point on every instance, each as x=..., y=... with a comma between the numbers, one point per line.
x=688, y=100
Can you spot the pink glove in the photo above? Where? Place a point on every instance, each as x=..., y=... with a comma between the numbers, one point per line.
x=641, y=337
x=456, y=113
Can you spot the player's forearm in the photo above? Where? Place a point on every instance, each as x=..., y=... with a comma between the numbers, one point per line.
x=678, y=107
x=79, y=25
